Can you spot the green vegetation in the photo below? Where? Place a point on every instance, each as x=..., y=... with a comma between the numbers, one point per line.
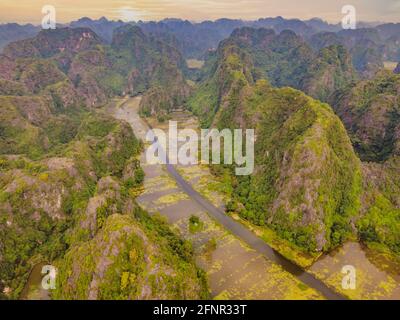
x=64, y=176
x=195, y=64
x=330, y=71
x=285, y=59
x=69, y=173
x=135, y=255
x=39, y=201
x=47, y=214
x=379, y=224
x=18, y=135
x=11, y=88
x=195, y=225
x=309, y=188
x=299, y=140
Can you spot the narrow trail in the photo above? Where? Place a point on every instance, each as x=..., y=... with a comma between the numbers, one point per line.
x=251, y=276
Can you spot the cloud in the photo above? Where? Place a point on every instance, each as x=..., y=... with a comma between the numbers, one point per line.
x=130, y=14
x=30, y=10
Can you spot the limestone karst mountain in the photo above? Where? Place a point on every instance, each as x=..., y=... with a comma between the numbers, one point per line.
x=64, y=196
x=299, y=140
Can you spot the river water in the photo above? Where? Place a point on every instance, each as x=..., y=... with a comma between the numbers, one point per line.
x=33, y=288
x=235, y=270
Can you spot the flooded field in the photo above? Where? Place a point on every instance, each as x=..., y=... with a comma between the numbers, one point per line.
x=377, y=277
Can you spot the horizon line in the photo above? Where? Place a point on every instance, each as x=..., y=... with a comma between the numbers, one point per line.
x=193, y=21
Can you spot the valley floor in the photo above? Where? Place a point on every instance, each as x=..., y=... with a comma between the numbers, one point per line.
x=235, y=270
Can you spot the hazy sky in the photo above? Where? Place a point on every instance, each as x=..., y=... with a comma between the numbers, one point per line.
x=30, y=10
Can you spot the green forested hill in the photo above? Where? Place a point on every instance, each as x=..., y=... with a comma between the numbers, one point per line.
x=309, y=184
x=371, y=114
x=284, y=59
x=160, y=68
x=307, y=180
x=133, y=63
x=370, y=111
x=69, y=172
x=368, y=50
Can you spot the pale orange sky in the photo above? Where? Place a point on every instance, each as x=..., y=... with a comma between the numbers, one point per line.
x=24, y=11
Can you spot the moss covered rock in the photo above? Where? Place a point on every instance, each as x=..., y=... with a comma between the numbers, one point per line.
x=126, y=261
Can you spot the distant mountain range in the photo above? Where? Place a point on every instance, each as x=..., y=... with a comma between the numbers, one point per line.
x=194, y=39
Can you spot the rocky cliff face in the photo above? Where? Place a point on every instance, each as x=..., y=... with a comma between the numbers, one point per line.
x=161, y=69
x=370, y=113
x=284, y=59
x=79, y=60
x=103, y=27
x=52, y=42
x=379, y=223
x=299, y=141
x=152, y=59
x=331, y=70
x=366, y=47
x=76, y=209
x=287, y=60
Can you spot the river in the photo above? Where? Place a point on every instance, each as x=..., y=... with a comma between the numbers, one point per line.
x=33, y=288
x=240, y=265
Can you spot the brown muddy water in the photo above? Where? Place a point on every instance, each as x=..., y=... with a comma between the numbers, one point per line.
x=235, y=270
x=33, y=288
